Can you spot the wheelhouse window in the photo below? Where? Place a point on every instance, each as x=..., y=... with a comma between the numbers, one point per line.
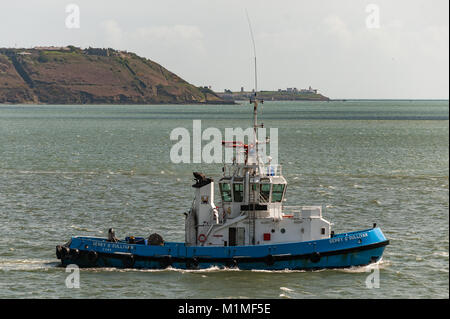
x=265, y=192
x=225, y=192
x=277, y=192
x=238, y=192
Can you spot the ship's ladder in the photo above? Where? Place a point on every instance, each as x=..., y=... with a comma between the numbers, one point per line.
x=251, y=197
x=252, y=226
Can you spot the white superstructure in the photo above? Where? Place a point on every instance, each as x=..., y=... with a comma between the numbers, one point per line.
x=251, y=210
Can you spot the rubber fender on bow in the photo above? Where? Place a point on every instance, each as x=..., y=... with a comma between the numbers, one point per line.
x=58, y=252
x=65, y=251
x=74, y=253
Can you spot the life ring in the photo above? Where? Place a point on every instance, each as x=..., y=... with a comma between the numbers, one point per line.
x=202, y=238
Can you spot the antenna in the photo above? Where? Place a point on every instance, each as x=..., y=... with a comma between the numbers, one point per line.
x=255, y=100
x=254, y=49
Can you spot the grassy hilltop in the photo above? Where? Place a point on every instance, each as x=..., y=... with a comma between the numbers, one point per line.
x=274, y=96
x=71, y=75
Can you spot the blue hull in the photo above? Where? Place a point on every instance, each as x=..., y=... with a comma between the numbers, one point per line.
x=341, y=251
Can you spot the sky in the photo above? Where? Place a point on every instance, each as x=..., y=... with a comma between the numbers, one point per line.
x=375, y=49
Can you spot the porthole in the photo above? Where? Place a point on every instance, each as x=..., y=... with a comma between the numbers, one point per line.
x=282, y=230
x=273, y=230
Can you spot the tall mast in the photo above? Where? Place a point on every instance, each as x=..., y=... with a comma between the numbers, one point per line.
x=255, y=99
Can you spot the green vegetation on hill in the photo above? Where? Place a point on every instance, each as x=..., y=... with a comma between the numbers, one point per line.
x=71, y=75
x=274, y=96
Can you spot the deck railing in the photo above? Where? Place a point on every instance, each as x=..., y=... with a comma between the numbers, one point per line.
x=265, y=170
x=271, y=170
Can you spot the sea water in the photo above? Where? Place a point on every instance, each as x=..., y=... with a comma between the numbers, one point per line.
x=79, y=170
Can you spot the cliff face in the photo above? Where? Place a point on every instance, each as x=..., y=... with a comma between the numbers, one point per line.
x=92, y=76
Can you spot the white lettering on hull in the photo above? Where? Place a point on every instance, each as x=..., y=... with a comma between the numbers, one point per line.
x=336, y=240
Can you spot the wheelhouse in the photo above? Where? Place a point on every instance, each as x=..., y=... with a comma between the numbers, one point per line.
x=264, y=190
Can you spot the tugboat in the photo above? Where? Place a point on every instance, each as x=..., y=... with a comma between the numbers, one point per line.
x=251, y=229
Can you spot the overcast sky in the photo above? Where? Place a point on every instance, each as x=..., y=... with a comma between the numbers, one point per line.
x=332, y=45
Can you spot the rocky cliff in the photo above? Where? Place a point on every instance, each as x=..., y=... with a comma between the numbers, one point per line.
x=70, y=75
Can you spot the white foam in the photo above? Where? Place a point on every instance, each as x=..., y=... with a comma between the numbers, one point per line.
x=82, y=228
x=441, y=253
x=360, y=269
x=26, y=264
x=168, y=269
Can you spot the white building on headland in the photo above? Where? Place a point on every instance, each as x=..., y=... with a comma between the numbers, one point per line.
x=295, y=90
x=52, y=48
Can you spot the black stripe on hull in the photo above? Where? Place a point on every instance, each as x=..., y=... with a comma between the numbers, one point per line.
x=192, y=262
